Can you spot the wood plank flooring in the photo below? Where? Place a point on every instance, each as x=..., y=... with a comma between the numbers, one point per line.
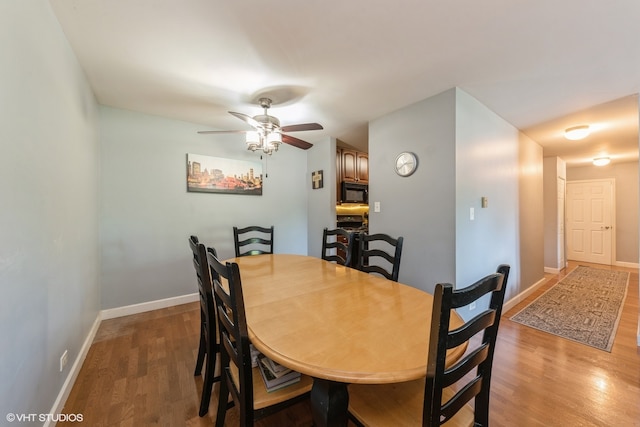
x=139, y=372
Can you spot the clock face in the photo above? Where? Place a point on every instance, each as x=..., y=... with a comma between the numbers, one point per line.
x=406, y=164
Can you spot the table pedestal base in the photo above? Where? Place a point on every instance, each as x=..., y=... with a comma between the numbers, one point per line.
x=329, y=403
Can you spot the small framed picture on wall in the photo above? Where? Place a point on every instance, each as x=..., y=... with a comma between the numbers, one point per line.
x=316, y=180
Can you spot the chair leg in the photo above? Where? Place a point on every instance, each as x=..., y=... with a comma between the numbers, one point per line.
x=202, y=350
x=223, y=397
x=207, y=384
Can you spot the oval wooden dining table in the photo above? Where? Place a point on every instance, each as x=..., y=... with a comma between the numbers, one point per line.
x=336, y=324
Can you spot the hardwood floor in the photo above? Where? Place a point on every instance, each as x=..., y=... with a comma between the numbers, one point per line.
x=139, y=372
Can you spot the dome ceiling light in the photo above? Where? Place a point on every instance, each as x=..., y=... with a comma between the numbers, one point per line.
x=601, y=161
x=576, y=132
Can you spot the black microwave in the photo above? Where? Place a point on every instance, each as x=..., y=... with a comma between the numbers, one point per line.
x=354, y=193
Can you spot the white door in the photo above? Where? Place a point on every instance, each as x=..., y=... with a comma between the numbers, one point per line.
x=590, y=221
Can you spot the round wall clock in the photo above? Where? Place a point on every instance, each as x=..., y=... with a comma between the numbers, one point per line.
x=406, y=163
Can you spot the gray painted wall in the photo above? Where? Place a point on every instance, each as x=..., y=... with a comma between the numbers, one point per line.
x=49, y=258
x=626, y=178
x=487, y=165
x=465, y=152
x=146, y=214
x=421, y=208
x=531, y=210
x=322, y=201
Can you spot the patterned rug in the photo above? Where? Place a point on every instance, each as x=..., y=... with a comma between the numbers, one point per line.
x=585, y=306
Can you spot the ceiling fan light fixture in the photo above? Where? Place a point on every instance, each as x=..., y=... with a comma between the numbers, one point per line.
x=253, y=140
x=577, y=132
x=601, y=161
x=274, y=139
x=268, y=134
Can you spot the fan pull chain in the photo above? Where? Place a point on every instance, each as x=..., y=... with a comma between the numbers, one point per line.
x=266, y=165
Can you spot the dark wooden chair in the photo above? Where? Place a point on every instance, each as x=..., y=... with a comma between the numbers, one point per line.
x=239, y=379
x=208, y=346
x=337, y=246
x=446, y=391
x=374, y=258
x=253, y=240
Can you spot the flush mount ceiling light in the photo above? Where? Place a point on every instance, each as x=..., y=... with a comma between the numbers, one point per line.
x=601, y=161
x=576, y=132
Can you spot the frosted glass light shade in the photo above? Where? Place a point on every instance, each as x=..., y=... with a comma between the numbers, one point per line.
x=577, y=132
x=253, y=141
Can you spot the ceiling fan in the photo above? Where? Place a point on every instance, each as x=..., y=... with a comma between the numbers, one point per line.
x=268, y=133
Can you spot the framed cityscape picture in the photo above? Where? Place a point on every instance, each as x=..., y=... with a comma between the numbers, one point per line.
x=207, y=174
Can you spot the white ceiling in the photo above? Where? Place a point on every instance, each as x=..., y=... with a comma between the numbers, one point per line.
x=542, y=65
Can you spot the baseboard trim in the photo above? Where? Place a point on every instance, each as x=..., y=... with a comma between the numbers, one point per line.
x=112, y=313
x=522, y=295
x=58, y=405
x=626, y=264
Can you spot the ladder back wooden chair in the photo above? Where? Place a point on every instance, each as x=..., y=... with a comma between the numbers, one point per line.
x=239, y=379
x=208, y=346
x=253, y=240
x=444, y=395
x=337, y=246
x=380, y=253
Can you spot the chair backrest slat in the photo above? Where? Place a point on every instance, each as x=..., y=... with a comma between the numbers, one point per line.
x=469, y=329
x=468, y=392
x=465, y=365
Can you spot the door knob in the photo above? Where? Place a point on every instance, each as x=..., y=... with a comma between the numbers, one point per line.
x=605, y=228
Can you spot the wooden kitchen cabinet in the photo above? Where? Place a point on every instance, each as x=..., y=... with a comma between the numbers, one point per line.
x=355, y=166
x=362, y=167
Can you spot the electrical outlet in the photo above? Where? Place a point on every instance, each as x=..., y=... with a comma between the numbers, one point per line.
x=63, y=360
x=472, y=306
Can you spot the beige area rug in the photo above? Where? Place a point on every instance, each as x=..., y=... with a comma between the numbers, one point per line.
x=585, y=306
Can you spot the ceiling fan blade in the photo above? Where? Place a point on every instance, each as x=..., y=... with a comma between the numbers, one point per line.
x=288, y=139
x=301, y=127
x=247, y=119
x=222, y=131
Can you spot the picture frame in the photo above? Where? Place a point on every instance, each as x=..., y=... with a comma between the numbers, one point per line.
x=317, y=180
x=208, y=174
